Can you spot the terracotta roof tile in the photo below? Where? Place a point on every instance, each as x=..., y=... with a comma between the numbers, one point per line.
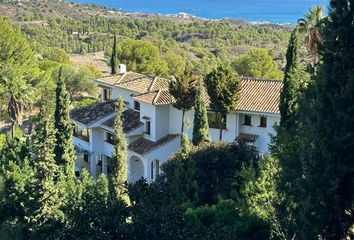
x=246, y=137
x=148, y=97
x=260, y=95
x=131, y=121
x=159, y=84
x=256, y=95
x=143, y=146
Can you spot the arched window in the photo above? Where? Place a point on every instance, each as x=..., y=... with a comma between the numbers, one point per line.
x=155, y=169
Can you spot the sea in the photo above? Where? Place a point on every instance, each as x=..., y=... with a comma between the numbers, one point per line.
x=273, y=11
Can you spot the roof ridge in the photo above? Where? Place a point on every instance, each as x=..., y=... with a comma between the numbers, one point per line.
x=152, y=83
x=259, y=79
x=156, y=97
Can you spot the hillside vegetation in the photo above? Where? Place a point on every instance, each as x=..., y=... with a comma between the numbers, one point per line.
x=82, y=29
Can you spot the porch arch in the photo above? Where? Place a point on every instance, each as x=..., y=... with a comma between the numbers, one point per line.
x=136, y=169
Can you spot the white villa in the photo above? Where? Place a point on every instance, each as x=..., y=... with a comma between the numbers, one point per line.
x=152, y=125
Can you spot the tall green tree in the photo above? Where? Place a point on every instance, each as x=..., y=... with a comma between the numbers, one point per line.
x=289, y=141
x=329, y=169
x=64, y=148
x=114, y=56
x=257, y=63
x=224, y=88
x=200, y=122
x=120, y=158
x=295, y=81
x=18, y=72
x=47, y=215
x=183, y=89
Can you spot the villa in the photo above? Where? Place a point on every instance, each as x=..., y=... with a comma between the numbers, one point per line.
x=152, y=125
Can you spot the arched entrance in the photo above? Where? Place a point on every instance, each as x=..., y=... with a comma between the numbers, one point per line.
x=136, y=169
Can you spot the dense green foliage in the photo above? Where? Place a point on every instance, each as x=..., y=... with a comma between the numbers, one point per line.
x=329, y=169
x=223, y=87
x=200, y=121
x=315, y=159
x=257, y=63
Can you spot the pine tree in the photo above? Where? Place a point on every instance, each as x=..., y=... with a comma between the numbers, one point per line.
x=329, y=169
x=47, y=214
x=184, y=90
x=223, y=87
x=114, y=56
x=200, y=123
x=120, y=157
x=64, y=148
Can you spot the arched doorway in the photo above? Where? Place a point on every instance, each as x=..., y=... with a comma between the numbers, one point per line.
x=136, y=169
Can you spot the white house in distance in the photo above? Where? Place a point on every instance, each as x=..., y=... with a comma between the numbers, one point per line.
x=152, y=125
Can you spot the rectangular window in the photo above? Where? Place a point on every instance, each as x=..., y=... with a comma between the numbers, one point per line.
x=148, y=127
x=110, y=138
x=247, y=120
x=86, y=157
x=107, y=94
x=263, y=122
x=137, y=105
x=214, y=120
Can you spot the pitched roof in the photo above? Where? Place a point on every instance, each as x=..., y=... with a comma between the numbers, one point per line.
x=160, y=97
x=93, y=113
x=256, y=95
x=143, y=146
x=135, y=81
x=131, y=121
x=260, y=95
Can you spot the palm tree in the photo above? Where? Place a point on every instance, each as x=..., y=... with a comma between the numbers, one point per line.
x=310, y=25
x=17, y=95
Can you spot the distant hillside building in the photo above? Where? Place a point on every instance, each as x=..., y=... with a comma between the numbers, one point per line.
x=152, y=125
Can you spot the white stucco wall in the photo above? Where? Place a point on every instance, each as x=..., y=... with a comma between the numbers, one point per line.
x=148, y=110
x=125, y=94
x=163, y=154
x=264, y=139
x=162, y=121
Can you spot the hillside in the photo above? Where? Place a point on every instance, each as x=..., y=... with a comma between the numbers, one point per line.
x=83, y=28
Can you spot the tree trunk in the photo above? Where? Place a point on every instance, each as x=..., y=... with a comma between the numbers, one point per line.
x=182, y=127
x=221, y=125
x=13, y=128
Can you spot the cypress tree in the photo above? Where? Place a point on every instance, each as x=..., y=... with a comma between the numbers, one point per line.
x=223, y=87
x=120, y=157
x=64, y=148
x=114, y=56
x=47, y=200
x=200, y=123
x=329, y=169
x=294, y=80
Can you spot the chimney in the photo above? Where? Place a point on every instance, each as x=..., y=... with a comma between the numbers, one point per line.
x=122, y=68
